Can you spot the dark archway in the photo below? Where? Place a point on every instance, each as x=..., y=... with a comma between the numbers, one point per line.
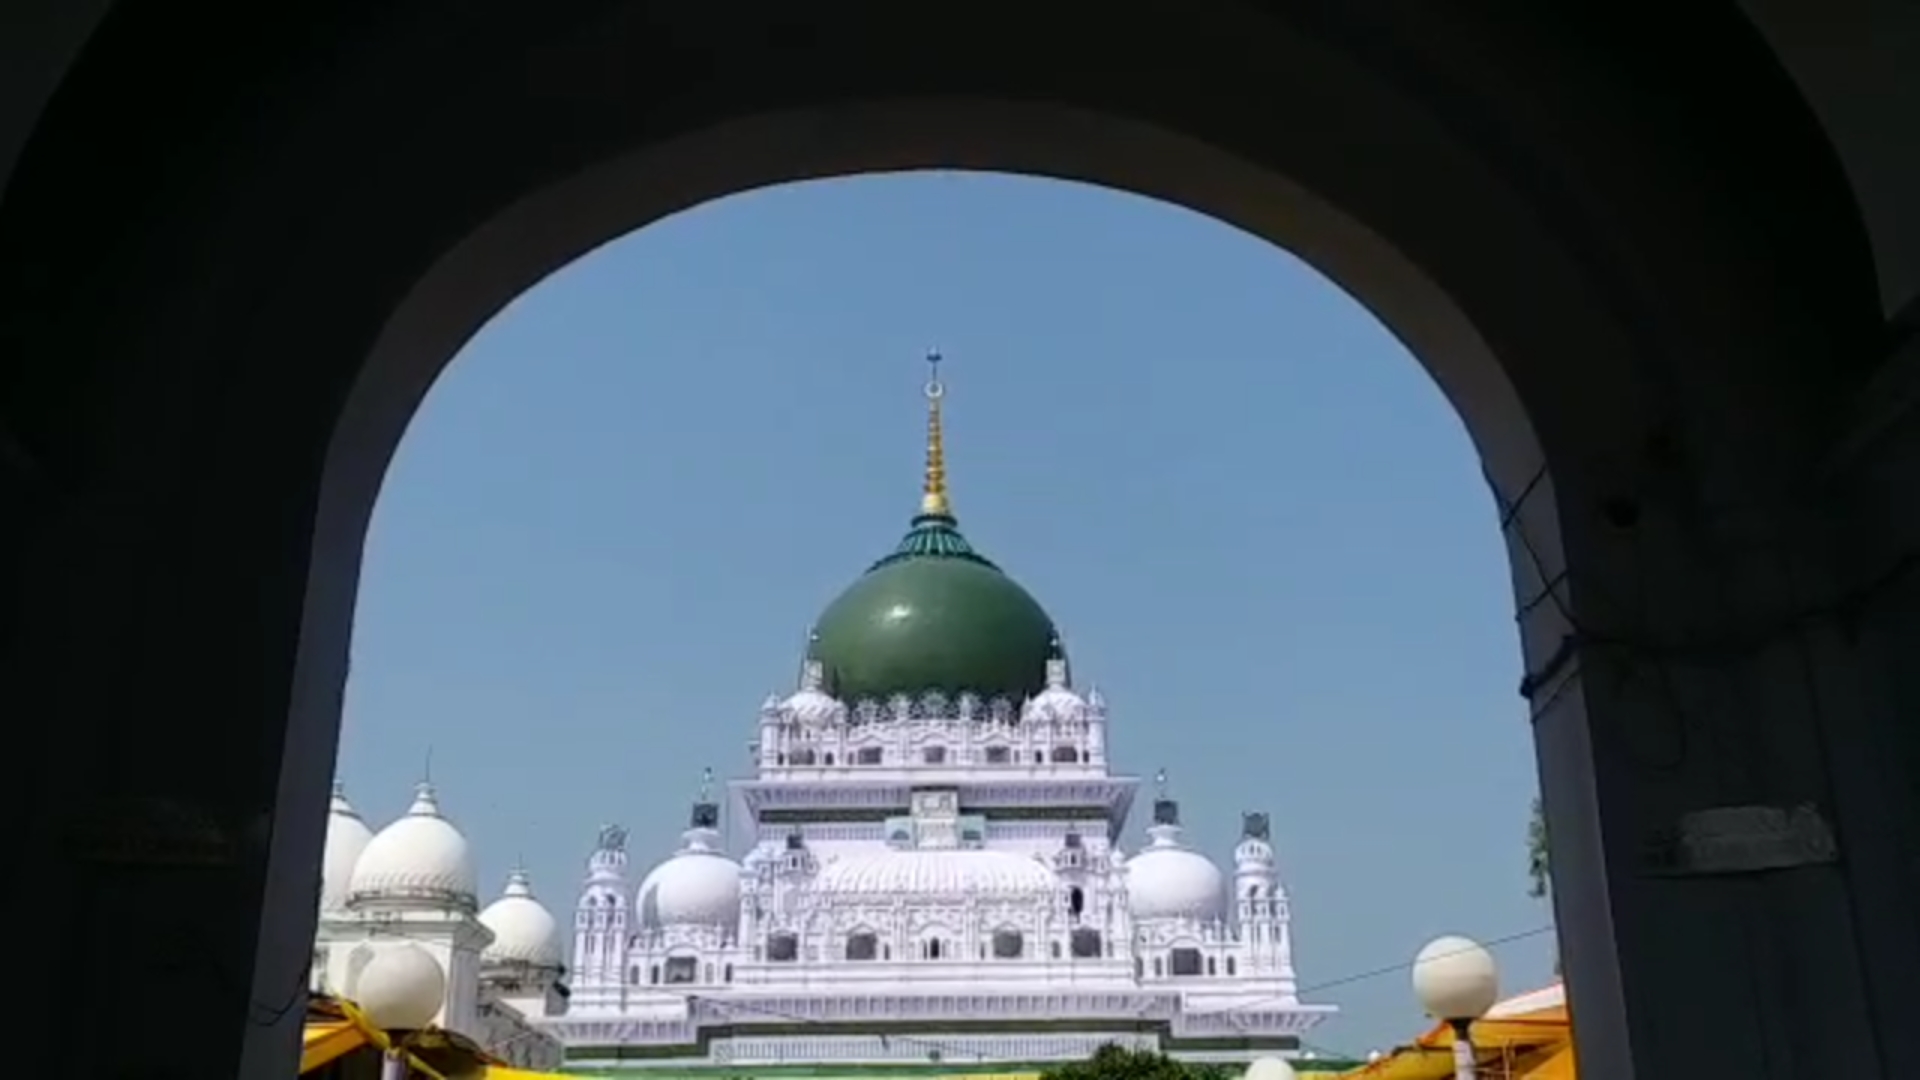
x=227, y=292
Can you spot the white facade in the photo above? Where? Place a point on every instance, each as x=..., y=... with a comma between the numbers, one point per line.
x=411, y=886
x=931, y=880
x=927, y=878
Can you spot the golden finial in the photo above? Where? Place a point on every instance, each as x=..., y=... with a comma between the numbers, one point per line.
x=933, y=499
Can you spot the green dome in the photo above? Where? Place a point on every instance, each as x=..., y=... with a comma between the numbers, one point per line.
x=934, y=616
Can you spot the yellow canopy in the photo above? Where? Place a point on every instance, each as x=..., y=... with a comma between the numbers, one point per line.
x=339, y=1028
x=1533, y=1046
x=327, y=1040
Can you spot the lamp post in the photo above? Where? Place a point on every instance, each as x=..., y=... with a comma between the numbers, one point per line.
x=1456, y=981
x=400, y=989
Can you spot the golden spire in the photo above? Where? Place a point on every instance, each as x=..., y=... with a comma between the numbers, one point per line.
x=933, y=499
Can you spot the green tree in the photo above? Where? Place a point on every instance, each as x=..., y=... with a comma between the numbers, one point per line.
x=1112, y=1062
x=1539, y=870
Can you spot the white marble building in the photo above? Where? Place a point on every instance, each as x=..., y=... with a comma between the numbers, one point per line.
x=931, y=871
x=411, y=887
x=932, y=866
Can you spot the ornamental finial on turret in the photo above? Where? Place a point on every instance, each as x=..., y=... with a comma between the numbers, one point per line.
x=1165, y=810
x=933, y=498
x=706, y=812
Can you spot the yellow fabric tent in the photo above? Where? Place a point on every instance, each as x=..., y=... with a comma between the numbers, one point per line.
x=1536, y=1044
x=327, y=1040
x=336, y=1027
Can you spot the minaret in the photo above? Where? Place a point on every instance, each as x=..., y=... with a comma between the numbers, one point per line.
x=1096, y=726
x=601, y=922
x=1260, y=903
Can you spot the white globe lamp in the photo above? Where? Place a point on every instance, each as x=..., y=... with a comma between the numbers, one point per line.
x=1270, y=1068
x=1457, y=981
x=401, y=988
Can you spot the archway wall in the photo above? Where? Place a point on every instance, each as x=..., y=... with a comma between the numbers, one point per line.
x=1643, y=274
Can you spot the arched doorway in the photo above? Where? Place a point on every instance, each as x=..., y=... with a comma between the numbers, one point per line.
x=291, y=236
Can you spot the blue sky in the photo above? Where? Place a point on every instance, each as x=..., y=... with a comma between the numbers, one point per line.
x=1260, y=527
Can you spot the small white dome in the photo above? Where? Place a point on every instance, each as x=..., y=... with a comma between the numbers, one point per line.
x=814, y=708
x=1057, y=704
x=347, y=839
x=401, y=988
x=698, y=886
x=524, y=931
x=421, y=858
x=811, y=705
x=1167, y=880
x=953, y=873
x=1253, y=853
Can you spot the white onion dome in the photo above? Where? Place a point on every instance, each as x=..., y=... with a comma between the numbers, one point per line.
x=1056, y=703
x=811, y=705
x=697, y=886
x=524, y=931
x=1167, y=879
x=419, y=859
x=347, y=839
x=945, y=873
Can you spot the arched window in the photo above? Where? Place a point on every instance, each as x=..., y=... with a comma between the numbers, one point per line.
x=727, y=973
x=1210, y=968
x=933, y=948
x=862, y=945
x=1008, y=945
x=783, y=947
x=1076, y=901
x=1230, y=966
x=1085, y=944
x=653, y=974
x=1139, y=968
x=1053, y=949
x=1159, y=967
x=829, y=757
x=633, y=975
